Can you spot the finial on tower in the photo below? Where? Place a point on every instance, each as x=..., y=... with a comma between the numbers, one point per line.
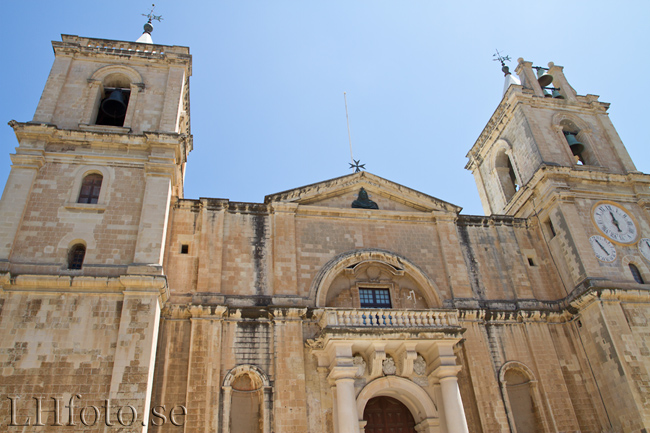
x=502, y=59
x=148, y=27
x=510, y=79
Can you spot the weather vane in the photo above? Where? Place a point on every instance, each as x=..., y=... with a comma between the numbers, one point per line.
x=357, y=167
x=502, y=59
x=151, y=16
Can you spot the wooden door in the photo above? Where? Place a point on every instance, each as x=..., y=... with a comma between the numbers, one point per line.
x=388, y=415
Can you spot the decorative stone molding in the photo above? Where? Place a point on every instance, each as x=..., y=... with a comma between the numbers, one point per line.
x=388, y=366
x=339, y=263
x=360, y=363
x=288, y=314
x=420, y=365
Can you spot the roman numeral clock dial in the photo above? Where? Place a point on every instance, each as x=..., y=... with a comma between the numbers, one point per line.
x=614, y=222
x=644, y=247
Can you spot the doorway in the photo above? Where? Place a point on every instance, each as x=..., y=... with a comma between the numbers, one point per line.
x=388, y=415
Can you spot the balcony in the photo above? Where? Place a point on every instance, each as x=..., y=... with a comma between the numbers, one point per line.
x=388, y=319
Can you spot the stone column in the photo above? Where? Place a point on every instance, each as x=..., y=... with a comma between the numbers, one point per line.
x=437, y=391
x=154, y=217
x=346, y=404
x=135, y=349
x=451, y=400
x=14, y=200
x=267, y=408
x=225, y=415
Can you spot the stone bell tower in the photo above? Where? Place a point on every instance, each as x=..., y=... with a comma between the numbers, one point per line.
x=116, y=111
x=83, y=223
x=553, y=157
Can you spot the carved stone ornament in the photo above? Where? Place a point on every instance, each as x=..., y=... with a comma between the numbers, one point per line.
x=360, y=363
x=388, y=366
x=420, y=366
x=363, y=202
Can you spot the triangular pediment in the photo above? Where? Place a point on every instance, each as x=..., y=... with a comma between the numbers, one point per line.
x=342, y=191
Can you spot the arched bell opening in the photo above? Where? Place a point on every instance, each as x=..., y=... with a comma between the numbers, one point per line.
x=578, y=142
x=506, y=174
x=115, y=100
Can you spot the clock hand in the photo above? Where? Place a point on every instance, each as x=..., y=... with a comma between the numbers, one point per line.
x=601, y=247
x=615, y=221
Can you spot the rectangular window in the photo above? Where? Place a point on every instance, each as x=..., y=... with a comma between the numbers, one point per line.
x=374, y=298
x=551, y=229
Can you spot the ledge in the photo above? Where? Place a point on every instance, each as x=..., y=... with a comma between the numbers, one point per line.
x=105, y=128
x=86, y=207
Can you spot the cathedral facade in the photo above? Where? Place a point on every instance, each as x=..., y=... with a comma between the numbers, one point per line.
x=351, y=305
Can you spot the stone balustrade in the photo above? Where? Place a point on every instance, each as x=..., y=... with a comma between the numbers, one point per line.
x=388, y=318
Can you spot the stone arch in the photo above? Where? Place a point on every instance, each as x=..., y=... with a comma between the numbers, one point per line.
x=504, y=169
x=263, y=397
x=418, y=402
x=567, y=122
x=641, y=267
x=118, y=77
x=82, y=171
x=386, y=259
x=246, y=369
x=516, y=412
x=131, y=74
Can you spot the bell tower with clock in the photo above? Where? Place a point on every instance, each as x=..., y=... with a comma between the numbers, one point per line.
x=553, y=156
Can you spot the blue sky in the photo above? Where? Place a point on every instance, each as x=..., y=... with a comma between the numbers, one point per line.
x=268, y=80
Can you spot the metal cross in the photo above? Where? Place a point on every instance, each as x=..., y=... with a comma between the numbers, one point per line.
x=357, y=167
x=151, y=16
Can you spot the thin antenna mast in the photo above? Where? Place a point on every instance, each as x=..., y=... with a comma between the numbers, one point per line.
x=348, y=120
x=354, y=164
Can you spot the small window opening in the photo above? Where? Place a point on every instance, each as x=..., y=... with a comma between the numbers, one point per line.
x=531, y=262
x=90, y=188
x=636, y=274
x=76, y=256
x=112, y=109
x=185, y=249
x=374, y=298
x=550, y=227
x=511, y=173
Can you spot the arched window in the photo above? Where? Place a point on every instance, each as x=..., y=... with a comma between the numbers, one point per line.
x=76, y=256
x=506, y=174
x=519, y=389
x=247, y=401
x=636, y=274
x=90, y=188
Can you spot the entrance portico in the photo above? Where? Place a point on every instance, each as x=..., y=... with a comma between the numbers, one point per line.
x=412, y=362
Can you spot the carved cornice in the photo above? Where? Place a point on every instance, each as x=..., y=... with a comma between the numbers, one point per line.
x=126, y=284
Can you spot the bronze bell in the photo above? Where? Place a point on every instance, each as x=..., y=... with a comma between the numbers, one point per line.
x=114, y=105
x=556, y=94
x=544, y=78
x=574, y=144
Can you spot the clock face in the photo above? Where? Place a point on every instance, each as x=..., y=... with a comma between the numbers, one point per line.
x=644, y=248
x=615, y=223
x=603, y=248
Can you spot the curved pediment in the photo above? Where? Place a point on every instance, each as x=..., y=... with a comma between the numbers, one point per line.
x=341, y=192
